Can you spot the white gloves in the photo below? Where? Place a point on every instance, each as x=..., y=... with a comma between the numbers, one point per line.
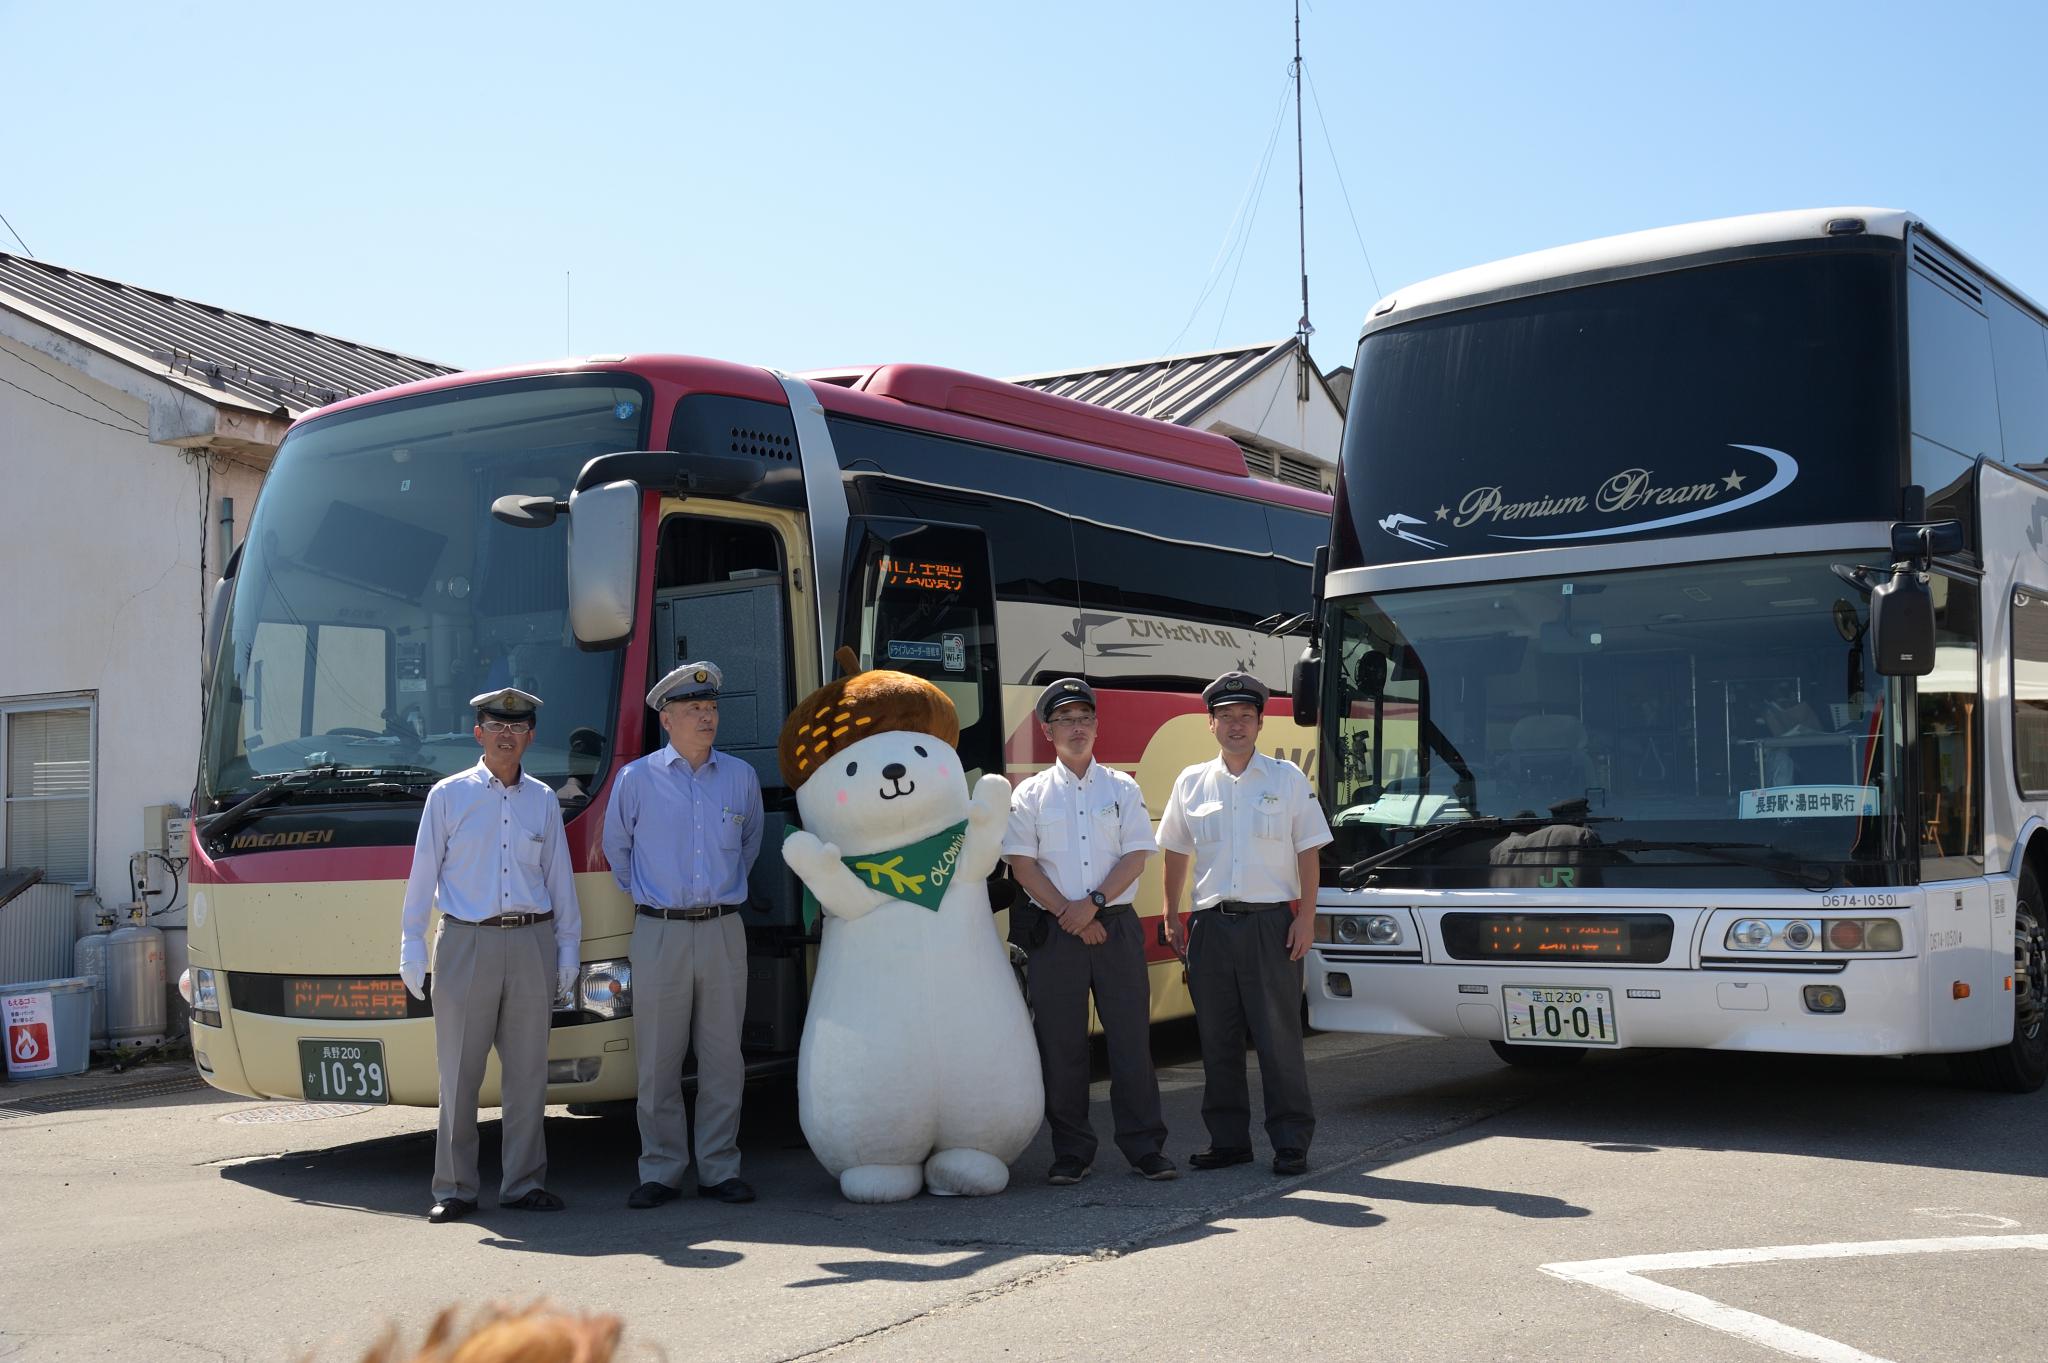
x=565, y=982
x=414, y=973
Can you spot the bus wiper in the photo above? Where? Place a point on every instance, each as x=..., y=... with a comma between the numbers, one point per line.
x=1351, y=876
x=287, y=786
x=1732, y=853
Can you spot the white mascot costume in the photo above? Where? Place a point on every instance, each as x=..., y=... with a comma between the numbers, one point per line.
x=918, y=1068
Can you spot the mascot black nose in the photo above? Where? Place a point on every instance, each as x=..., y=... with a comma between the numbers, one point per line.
x=895, y=771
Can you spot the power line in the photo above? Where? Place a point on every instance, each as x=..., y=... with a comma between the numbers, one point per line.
x=17, y=237
x=1332, y=147
x=124, y=430
x=136, y=426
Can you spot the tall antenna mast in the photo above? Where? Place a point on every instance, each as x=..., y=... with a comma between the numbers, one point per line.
x=1302, y=329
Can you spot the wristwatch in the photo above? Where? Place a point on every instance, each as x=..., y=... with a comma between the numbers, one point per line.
x=1095, y=898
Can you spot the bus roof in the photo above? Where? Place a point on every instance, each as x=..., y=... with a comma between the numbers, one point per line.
x=1633, y=249
x=940, y=400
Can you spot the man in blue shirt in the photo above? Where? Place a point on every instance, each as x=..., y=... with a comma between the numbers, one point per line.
x=511, y=938
x=681, y=833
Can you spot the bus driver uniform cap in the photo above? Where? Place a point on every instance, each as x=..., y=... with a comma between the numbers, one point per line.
x=507, y=702
x=1065, y=691
x=691, y=681
x=1235, y=688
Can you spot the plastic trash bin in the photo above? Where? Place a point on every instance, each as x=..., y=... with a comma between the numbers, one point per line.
x=47, y=1025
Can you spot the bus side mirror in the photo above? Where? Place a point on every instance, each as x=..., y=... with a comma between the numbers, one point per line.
x=1902, y=625
x=1308, y=688
x=604, y=564
x=217, y=605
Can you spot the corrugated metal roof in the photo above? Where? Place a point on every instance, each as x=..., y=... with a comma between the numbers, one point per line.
x=1178, y=388
x=228, y=357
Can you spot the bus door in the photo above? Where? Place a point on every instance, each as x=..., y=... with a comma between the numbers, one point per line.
x=721, y=592
x=920, y=598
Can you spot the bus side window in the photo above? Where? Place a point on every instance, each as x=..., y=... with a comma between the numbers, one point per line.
x=1948, y=724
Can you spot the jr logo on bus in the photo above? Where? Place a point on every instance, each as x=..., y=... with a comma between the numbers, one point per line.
x=1559, y=877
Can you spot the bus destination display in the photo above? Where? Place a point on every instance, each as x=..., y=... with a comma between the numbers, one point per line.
x=923, y=575
x=1557, y=936
x=355, y=1000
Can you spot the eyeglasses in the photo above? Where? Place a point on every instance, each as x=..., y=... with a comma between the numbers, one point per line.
x=1073, y=721
x=508, y=726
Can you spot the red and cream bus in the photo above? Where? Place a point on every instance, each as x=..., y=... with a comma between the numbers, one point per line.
x=647, y=511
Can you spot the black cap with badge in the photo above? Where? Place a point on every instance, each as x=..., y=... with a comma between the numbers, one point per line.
x=1065, y=691
x=1235, y=688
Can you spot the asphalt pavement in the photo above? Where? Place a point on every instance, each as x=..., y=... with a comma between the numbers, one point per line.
x=1645, y=1206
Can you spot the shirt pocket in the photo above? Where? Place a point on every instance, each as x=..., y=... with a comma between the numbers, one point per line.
x=1209, y=823
x=731, y=830
x=1108, y=831
x=527, y=847
x=1052, y=835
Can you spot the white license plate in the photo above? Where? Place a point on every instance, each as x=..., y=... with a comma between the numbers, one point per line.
x=1560, y=1016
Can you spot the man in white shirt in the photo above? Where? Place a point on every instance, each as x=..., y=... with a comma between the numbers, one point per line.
x=1252, y=829
x=1077, y=842
x=491, y=854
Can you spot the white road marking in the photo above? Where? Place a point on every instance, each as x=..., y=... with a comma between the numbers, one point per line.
x=1619, y=1277
x=1962, y=1216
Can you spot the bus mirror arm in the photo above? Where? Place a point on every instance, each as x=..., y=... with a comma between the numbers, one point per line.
x=675, y=472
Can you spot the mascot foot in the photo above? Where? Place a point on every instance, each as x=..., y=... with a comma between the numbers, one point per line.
x=961, y=1172
x=881, y=1182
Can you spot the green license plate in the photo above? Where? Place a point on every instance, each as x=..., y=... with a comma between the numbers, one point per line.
x=343, y=1071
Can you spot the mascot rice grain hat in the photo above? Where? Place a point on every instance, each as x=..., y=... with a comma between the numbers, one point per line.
x=841, y=713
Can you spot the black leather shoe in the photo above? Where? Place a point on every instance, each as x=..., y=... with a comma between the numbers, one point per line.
x=732, y=1190
x=1290, y=1161
x=1156, y=1167
x=651, y=1194
x=1221, y=1156
x=450, y=1209
x=534, y=1200
x=1066, y=1171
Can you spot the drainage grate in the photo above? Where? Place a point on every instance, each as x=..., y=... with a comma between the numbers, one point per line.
x=293, y=1112
x=106, y=1096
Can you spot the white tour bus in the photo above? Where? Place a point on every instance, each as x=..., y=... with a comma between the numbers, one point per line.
x=1682, y=664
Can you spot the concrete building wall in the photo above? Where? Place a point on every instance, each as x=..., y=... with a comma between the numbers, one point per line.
x=110, y=551
x=1266, y=410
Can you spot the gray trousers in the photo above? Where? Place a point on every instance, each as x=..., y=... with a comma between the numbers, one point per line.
x=1241, y=981
x=689, y=989
x=492, y=987
x=1063, y=971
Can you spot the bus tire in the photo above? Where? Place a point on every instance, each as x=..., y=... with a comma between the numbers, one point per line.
x=1538, y=1057
x=2021, y=1065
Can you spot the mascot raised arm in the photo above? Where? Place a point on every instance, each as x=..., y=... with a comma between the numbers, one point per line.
x=917, y=1068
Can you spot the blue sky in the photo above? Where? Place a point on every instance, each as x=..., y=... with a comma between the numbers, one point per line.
x=1008, y=189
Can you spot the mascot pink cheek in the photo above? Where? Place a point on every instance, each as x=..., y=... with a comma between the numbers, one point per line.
x=842, y=797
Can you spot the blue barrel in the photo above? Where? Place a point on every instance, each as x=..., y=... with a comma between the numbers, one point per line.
x=46, y=1025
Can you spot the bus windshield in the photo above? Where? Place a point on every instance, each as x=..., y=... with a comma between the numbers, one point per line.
x=376, y=595
x=1705, y=715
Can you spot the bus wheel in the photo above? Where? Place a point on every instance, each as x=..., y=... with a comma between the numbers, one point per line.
x=1538, y=1057
x=2021, y=1064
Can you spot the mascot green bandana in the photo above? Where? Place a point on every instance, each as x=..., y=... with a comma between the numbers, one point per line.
x=917, y=873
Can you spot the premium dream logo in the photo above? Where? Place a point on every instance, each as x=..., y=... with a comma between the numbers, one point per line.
x=1629, y=493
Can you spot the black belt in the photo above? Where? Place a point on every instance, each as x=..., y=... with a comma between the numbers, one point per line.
x=687, y=915
x=1106, y=911
x=1235, y=907
x=504, y=920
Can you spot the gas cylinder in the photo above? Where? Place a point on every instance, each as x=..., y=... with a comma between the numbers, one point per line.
x=135, y=986
x=89, y=956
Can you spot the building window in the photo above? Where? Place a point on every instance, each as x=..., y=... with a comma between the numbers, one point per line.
x=46, y=757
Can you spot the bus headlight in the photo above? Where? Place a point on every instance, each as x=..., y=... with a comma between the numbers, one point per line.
x=1751, y=934
x=1359, y=929
x=1816, y=934
x=605, y=988
x=202, y=995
